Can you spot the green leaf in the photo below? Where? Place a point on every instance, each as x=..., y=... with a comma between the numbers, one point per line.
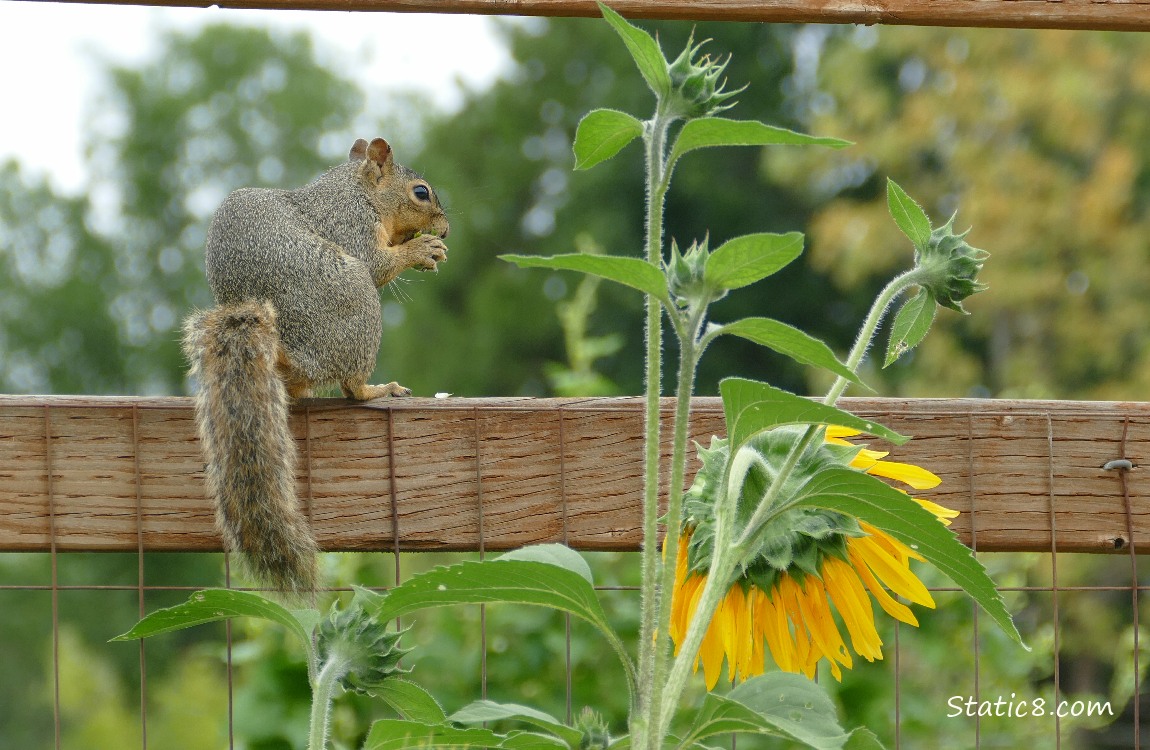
x=533, y=741
x=211, y=605
x=602, y=134
x=719, y=131
x=794, y=705
x=552, y=554
x=909, y=216
x=874, y=501
x=751, y=407
x=720, y=715
x=911, y=324
x=863, y=739
x=410, y=700
x=644, y=51
x=776, y=704
x=483, y=711
x=791, y=342
x=632, y=272
x=397, y=734
x=509, y=581
x=747, y=259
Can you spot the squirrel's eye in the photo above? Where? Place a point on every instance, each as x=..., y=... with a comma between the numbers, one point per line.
x=421, y=192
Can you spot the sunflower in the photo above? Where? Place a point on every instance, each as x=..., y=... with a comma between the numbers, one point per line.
x=809, y=564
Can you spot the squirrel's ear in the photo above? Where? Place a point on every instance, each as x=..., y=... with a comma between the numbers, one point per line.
x=358, y=150
x=379, y=151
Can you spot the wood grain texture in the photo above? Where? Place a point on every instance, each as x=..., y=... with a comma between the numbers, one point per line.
x=1128, y=15
x=501, y=473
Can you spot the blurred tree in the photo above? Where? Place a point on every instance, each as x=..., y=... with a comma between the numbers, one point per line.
x=503, y=163
x=92, y=290
x=1039, y=141
x=95, y=286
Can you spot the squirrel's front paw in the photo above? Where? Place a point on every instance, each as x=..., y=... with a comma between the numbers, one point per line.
x=360, y=391
x=425, y=251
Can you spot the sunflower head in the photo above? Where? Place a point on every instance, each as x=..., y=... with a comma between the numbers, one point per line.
x=806, y=561
x=800, y=538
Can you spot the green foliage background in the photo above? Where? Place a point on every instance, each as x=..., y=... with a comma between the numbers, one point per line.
x=1039, y=140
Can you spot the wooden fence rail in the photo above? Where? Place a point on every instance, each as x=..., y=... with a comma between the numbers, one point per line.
x=1128, y=15
x=93, y=473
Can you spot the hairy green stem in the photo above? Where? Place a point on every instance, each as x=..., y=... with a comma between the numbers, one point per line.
x=655, y=137
x=862, y=343
x=322, y=695
x=689, y=354
x=722, y=565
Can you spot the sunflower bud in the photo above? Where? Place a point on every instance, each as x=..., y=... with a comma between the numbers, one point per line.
x=685, y=276
x=696, y=90
x=594, y=729
x=951, y=267
x=371, y=652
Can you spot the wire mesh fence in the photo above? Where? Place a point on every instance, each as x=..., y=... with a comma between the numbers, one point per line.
x=951, y=682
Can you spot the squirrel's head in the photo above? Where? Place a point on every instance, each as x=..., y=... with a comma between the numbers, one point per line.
x=405, y=200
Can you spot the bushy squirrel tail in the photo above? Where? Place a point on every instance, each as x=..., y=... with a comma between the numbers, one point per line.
x=242, y=417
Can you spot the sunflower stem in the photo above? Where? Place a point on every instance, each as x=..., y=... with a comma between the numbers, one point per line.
x=715, y=588
x=655, y=138
x=322, y=695
x=690, y=351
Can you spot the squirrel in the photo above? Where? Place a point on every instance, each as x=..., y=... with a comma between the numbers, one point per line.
x=294, y=274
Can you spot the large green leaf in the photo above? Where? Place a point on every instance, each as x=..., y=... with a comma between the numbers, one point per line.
x=602, y=134
x=794, y=705
x=775, y=704
x=720, y=715
x=751, y=407
x=909, y=216
x=552, y=554
x=211, y=605
x=789, y=341
x=480, y=712
x=410, y=700
x=872, y=500
x=559, y=584
x=719, y=131
x=633, y=272
x=747, y=259
x=911, y=324
x=644, y=51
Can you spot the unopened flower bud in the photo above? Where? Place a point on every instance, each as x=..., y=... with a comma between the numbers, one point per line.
x=951, y=267
x=696, y=90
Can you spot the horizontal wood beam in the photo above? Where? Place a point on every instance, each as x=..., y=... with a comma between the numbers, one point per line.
x=92, y=473
x=1120, y=15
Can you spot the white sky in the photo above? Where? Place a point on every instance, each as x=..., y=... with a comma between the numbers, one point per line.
x=46, y=63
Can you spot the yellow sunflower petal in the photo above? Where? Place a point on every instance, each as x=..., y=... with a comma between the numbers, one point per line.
x=773, y=622
x=943, y=514
x=849, y=597
x=681, y=610
x=915, y=476
x=729, y=613
x=865, y=458
x=838, y=431
x=711, y=650
x=897, y=610
x=820, y=622
x=898, y=578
